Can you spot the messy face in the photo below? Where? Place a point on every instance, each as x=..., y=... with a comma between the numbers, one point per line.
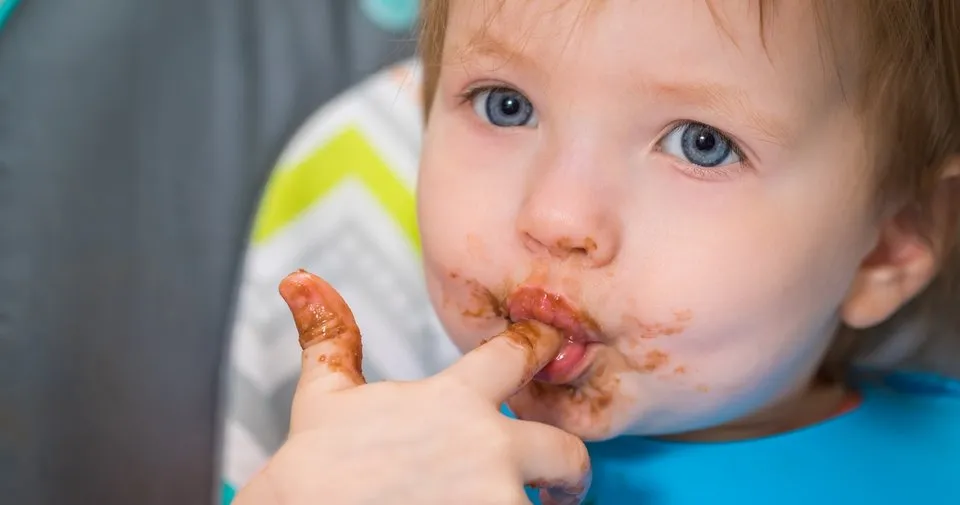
x=685, y=199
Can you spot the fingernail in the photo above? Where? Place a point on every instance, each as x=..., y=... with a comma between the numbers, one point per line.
x=567, y=496
x=296, y=290
x=560, y=497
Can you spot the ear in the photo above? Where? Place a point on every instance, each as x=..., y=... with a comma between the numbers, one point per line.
x=906, y=258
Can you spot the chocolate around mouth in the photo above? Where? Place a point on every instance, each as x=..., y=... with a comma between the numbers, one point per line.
x=531, y=303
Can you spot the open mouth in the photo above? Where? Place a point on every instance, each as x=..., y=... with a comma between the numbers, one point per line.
x=575, y=357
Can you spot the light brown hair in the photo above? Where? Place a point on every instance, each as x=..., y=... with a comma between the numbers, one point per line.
x=908, y=90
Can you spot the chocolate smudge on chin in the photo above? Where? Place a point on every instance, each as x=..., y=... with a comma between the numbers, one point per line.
x=561, y=405
x=654, y=360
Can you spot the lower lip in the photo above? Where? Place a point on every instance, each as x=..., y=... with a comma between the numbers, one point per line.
x=571, y=362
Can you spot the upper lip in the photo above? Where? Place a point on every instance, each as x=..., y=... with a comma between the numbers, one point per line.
x=537, y=304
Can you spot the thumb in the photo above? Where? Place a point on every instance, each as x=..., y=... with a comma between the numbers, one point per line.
x=329, y=335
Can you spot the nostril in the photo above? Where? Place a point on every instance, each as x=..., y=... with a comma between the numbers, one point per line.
x=589, y=245
x=574, y=247
x=534, y=245
x=563, y=247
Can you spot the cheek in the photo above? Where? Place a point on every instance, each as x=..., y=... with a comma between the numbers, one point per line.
x=464, y=248
x=461, y=173
x=777, y=249
x=443, y=216
x=762, y=272
x=470, y=311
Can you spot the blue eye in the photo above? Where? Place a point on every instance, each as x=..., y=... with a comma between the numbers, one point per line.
x=700, y=145
x=503, y=107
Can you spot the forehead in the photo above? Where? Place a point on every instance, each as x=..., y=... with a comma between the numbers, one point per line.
x=659, y=42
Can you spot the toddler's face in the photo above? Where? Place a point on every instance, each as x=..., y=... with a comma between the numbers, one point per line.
x=689, y=206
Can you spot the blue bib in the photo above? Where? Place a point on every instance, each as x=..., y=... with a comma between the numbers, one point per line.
x=899, y=446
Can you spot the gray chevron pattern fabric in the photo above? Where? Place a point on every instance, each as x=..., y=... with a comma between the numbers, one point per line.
x=340, y=204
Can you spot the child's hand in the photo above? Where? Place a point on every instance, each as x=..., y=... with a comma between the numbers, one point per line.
x=439, y=441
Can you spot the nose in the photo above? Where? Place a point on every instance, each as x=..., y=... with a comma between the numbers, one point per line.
x=571, y=217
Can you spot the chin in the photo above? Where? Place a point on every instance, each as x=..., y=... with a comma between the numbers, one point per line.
x=575, y=420
x=606, y=404
x=589, y=412
x=598, y=418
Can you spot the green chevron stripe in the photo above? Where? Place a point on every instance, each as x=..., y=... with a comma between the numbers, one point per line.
x=292, y=190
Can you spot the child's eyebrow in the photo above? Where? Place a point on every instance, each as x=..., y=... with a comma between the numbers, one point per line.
x=725, y=100
x=483, y=44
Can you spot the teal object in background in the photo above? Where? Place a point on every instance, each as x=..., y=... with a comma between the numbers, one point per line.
x=6, y=7
x=392, y=15
x=227, y=493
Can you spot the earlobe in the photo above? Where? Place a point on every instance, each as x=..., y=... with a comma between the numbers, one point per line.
x=898, y=269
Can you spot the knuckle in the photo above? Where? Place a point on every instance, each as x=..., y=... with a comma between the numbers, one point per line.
x=446, y=385
x=493, y=440
x=456, y=395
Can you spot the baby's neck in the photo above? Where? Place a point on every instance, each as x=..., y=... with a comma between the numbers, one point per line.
x=818, y=402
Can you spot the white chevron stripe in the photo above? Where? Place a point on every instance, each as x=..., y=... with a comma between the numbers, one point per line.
x=366, y=112
x=401, y=148
x=242, y=456
x=398, y=359
x=266, y=365
x=445, y=353
x=398, y=98
x=329, y=120
x=343, y=110
x=268, y=362
x=348, y=201
x=348, y=238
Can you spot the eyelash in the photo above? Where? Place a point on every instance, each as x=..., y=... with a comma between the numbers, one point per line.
x=718, y=173
x=705, y=173
x=470, y=94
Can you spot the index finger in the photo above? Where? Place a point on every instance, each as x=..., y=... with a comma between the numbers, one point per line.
x=508, y=361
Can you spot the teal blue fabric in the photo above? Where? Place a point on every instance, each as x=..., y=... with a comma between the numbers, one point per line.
x=392, y=15
x=227, y=493
x=6, y=8
x=900, y=446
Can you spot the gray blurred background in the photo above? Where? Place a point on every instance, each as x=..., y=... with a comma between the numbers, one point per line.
x=135, y=136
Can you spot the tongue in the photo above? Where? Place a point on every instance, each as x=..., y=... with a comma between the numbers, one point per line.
x=564, y=364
